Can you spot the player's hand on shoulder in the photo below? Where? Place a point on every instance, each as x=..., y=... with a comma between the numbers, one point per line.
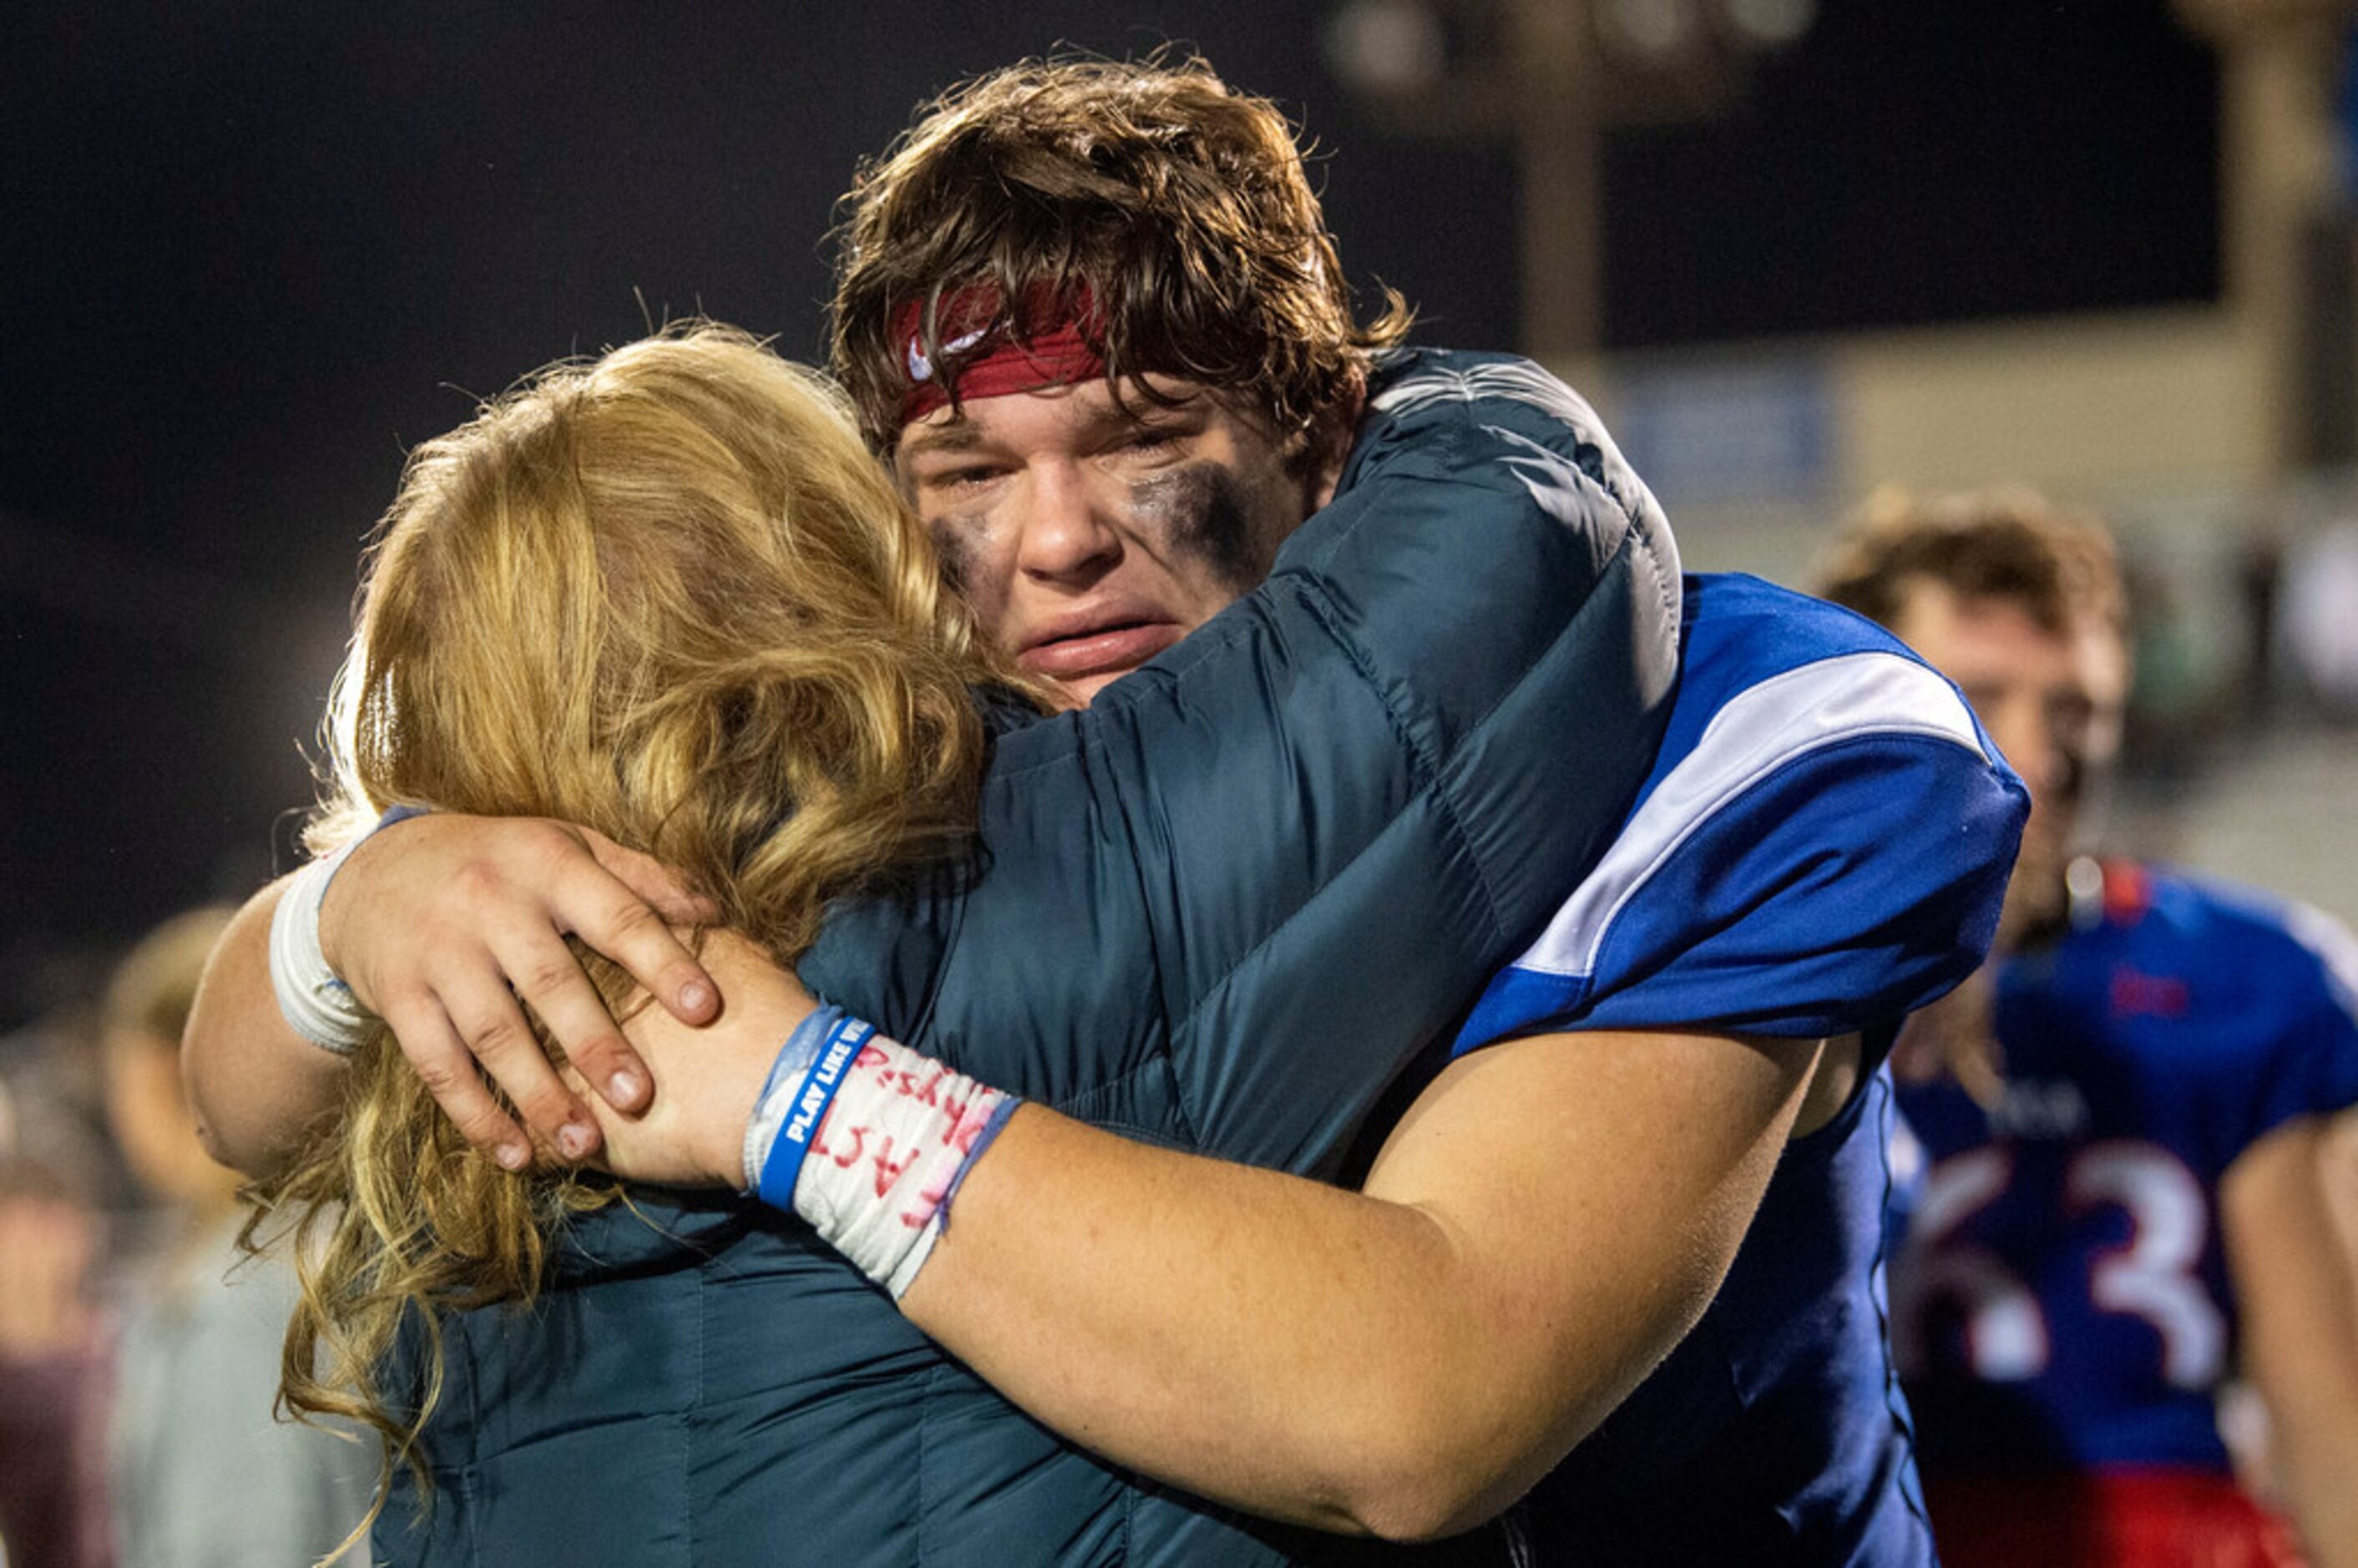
x=447, y=926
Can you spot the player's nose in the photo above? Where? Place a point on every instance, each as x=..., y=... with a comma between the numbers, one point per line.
x=1066, y=532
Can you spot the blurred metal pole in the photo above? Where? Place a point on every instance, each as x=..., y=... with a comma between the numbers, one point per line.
x=2279, y=67
x=1559, y=145
x=1547, y=78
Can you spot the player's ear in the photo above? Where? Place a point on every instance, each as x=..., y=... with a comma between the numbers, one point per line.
x=1327, y=441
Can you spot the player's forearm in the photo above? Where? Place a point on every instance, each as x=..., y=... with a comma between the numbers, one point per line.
x=2325, y=1512
x=1541, y=1226
x=253, y=1082
x=1290, y=1348
x=2313, y=1412
x=1390, y=1364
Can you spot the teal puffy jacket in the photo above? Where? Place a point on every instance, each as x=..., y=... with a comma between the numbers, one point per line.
x=1228, y=908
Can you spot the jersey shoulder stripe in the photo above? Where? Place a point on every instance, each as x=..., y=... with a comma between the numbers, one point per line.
x=1798, y=727
x=1766, y=727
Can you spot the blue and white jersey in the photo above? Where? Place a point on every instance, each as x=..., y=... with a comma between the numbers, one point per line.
x=1822, y=846
x=2062, y=1301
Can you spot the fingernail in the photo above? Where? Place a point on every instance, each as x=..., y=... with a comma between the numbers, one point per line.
x=513, y=1156
x=573, y=1141
x=694, y=996
x=622, y=1088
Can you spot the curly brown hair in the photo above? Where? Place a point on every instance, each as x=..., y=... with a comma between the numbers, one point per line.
x=2007, y=542
x=1178, y=208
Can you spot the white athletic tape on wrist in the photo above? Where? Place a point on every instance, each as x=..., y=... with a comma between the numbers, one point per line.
x=868, y=1141
x=315, y=1001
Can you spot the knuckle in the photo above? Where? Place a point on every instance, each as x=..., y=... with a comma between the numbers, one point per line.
x=549, y=841
x=500, y=1038
x=478, y=880
x=408, y=998
x=481, y=1125
x=600, y=1057
x=548, y=974
x=631, y=918
x=445, y=1082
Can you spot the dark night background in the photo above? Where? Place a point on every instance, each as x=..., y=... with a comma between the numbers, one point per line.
x=251, y=251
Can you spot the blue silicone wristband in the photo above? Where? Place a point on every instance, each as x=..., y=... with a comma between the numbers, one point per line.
x=786, y=1070
x=784, y=1165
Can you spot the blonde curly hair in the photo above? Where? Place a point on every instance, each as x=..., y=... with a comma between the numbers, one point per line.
x=666, y=594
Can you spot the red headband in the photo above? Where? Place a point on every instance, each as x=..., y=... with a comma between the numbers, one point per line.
x=1056, y=339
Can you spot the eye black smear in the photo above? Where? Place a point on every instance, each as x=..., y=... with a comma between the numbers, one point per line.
x=954, y=543
x=1202, y=509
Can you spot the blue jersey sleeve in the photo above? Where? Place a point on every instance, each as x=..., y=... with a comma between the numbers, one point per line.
x=1823, y=851
x=2296, y=966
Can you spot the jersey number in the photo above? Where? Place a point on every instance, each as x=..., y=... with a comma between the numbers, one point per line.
x=2154, y=1276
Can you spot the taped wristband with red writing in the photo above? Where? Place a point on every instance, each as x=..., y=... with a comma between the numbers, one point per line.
x=868, y=1141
